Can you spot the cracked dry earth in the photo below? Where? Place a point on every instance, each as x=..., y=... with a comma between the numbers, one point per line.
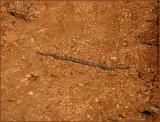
x=39, y=88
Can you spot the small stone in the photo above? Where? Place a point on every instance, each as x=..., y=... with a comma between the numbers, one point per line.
x=81, y=84
x=19, y=101
x=28, y=75
x=23, y=57
x=126, y=15
x=125, y=107
x=42, y=30
x=113, y=88
x=24, y=80
x=30, y=93
x=125, y=44
x=32, y=40
x=32, y=76
x=96, y=100
x=122, y=115
x=113, y=58
x=143, y=89
x=127, y=50
x=117, y=106
x=88, y=116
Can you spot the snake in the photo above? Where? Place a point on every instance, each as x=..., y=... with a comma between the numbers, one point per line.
x=78, y=60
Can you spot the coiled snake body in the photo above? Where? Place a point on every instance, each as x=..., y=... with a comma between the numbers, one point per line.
x=77, y=60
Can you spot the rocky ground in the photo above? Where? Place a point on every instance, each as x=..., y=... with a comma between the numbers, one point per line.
x=38, y=88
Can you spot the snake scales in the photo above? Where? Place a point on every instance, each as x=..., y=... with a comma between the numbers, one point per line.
x=78, y=60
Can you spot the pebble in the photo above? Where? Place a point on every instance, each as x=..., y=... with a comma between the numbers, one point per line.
x=81, y=84
x=143, y=89
x=28, y=75
x=125, y=107
x=32, y=40
x=125, y=44
x=24, y=80
x=23, y=57
x=127, y=50
x=113, y=58
x=19, y=101
x=32, y=74
x=42, y=30
x=96, y=100
x=37, y=12
x=30, y=93
x=88, y=116
x=122, y=115
x=117, y=106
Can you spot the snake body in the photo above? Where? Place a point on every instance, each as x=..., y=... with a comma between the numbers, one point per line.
x=77, y=60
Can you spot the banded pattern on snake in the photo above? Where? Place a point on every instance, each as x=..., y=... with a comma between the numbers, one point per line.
x=77, y=60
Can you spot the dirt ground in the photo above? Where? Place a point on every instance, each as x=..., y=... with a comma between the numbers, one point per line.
x=111, y=32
